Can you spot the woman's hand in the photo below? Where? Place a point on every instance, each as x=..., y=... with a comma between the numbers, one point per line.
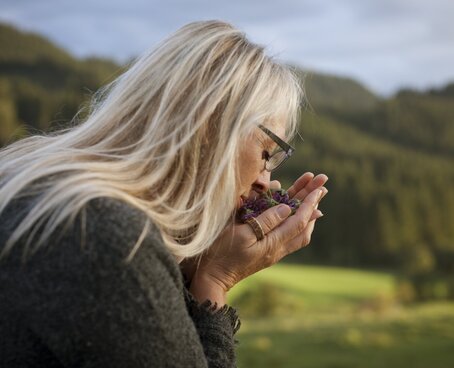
x=237, y=254
x=305, y=184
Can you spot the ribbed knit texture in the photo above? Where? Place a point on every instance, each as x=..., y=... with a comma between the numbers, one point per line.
x=79, y=304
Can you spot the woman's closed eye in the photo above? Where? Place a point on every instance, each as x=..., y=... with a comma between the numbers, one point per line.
x=266, y=155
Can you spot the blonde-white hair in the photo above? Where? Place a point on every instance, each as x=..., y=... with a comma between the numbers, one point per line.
x=163, y=137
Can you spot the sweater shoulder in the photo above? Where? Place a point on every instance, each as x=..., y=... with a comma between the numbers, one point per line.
x=105, y=229
x=113, y=223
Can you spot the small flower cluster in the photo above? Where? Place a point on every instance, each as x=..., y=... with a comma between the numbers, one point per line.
x=253, y=208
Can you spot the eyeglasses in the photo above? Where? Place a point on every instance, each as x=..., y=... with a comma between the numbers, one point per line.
x=280, y=154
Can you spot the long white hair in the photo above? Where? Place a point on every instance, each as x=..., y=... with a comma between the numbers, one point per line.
x=163, y=137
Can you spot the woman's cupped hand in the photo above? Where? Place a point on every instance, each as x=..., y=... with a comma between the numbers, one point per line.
x=237, y=253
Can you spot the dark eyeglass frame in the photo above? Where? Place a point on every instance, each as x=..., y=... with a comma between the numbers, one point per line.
x=285, y=147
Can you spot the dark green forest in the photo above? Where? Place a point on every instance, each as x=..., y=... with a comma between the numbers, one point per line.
x=389, y=160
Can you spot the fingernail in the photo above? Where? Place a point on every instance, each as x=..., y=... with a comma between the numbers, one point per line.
x=320, y=214
x=320, y=194
x=283, y=211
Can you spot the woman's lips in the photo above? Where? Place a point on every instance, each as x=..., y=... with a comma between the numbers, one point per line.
x=241, y=201
x=252, y=195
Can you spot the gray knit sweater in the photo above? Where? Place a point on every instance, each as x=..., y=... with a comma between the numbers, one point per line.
x=82, y=306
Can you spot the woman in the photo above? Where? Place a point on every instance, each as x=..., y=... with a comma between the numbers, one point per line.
x=96, y=219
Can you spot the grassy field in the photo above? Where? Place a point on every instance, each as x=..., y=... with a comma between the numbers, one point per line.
x=305, y=316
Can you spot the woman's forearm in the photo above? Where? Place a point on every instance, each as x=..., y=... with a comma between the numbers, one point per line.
x=203, y=288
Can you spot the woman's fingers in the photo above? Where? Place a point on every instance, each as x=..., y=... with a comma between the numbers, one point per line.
x=319, y=180
x=275, y=184
x=316, y=214
x=299, y=241
x=271, y=218
x=300, y=183
x=296, y=224
x=315, y=183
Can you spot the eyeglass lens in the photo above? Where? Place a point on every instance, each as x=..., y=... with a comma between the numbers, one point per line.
x=276, y=160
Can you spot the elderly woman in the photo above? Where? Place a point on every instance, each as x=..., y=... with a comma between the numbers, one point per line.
x=118, y=236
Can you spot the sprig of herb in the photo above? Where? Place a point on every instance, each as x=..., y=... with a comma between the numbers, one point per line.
x=273, y=197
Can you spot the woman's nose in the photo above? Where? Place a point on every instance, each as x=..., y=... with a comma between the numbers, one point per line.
x=262, y=183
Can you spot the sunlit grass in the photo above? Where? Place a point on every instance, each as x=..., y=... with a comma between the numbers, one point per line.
x=343, y=318
x=321, y=287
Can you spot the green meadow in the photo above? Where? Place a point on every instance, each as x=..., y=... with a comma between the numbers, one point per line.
x=309, y=316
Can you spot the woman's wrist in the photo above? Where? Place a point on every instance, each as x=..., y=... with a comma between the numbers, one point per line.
x=203, y=288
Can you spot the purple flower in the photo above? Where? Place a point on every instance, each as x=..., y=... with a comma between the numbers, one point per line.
x=253, y=208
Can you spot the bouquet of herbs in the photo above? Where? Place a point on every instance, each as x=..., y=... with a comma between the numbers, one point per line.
x=273, y=197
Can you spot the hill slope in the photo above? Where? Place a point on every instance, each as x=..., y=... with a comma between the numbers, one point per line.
x=41, y=83
x=330, y=92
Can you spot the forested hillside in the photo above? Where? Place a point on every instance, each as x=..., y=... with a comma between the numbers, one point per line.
x=42, y=86
x=390, y=161
x=391, y=168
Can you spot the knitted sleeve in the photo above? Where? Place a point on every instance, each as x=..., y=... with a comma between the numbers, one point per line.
x=214, y=325
x=87, y=307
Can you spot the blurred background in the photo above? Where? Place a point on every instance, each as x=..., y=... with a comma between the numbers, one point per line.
x=376, y=286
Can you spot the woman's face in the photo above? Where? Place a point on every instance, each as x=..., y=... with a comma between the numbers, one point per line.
x=254, y=179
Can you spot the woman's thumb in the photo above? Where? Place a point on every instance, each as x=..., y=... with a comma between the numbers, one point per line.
x=283, y=211
x=273, y=217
